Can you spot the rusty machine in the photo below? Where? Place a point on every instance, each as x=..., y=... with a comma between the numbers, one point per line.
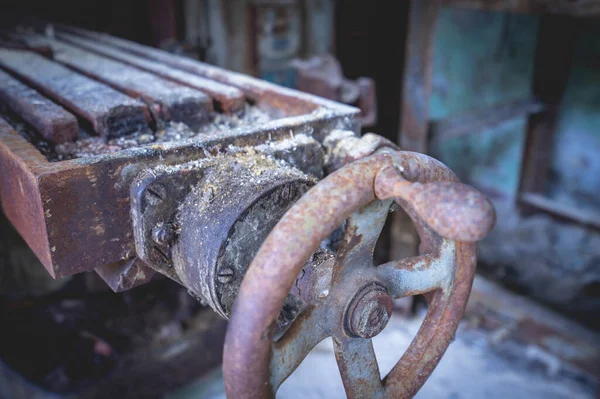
x=265, y=203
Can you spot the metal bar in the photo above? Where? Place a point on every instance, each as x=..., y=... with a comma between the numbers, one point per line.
x=477, y=120
x=552, y=69
x=162, y=21
x=229, y=98
x=290, y=102
x=7, y=42
x=36, y=43
x=415, y=275
x=534, y=325
x=416, y=90
x=585, y=8
x=414, y=108
x=52, y=121
x=170, y=100
x=109, y=112
x=537, y=202
x=302, y=336
x=358, y=367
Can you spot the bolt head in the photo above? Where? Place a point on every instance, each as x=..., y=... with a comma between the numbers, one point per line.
x=369, y=312
x=225, y=275
x=155, y=194
x=161, y=234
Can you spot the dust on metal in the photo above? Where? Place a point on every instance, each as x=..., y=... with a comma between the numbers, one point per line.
x=110, y=112
x=228, y=98
x=52, y=121
x=76, y=213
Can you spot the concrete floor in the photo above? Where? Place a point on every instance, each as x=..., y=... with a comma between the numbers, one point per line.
x=471, y=369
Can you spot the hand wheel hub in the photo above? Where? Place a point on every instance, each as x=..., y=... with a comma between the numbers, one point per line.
x=368, y=312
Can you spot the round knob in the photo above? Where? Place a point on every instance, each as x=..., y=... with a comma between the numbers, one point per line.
x=369, y=312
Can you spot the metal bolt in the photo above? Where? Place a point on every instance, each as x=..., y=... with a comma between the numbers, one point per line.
x=369, y=312
x=286, y=192
x=208, y=194
x=225, y=275
x=155, y=194
x=161, y=234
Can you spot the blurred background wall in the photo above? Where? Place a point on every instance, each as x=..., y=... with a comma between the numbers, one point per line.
x=508, y=100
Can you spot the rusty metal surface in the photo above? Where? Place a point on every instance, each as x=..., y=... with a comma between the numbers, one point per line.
x=155, y=196
x=228, y=98
x=75, y=214
x=322, y=76
x=85, y=202
x=444, y=269
x=200, y=223
x=20, y=191
x=369, y=312
x=110, y=112
x=455, y=211
x=51, y=120
x=344, y=147
x=38, y=44
x=289, y=102
x=166, y=99
x=212, y=262
x=416, y=85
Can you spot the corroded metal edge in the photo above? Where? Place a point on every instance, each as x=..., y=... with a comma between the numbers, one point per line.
x=20, y=192
x=84, y=202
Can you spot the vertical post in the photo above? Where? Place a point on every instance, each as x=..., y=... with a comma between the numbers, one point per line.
x=414, y=107
x=553, y=58
x=416, y=88
x=163, y=20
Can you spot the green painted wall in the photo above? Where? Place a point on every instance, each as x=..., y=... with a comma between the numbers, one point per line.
x=576, y=161
x=483, y=59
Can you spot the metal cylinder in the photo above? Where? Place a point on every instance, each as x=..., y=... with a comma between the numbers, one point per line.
x=223, y=221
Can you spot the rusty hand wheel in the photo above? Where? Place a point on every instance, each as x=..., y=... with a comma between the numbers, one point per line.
x=356, y=303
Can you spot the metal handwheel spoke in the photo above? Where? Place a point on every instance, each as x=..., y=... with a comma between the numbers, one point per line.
x=362, y=231
x=437, y=330
x=419, y=274
x=451, y=217
x=310, y=328
x=358, y=367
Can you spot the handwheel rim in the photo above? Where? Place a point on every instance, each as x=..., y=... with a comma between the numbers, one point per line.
x=313, y=218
